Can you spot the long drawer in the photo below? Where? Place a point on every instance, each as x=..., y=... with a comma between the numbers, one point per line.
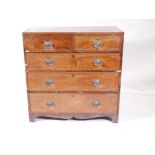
x=72, y=61
x=73, y=81
x=73, y=103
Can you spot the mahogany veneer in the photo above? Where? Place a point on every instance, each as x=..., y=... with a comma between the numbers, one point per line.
x=73, y=72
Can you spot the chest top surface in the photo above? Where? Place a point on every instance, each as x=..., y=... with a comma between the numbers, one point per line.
x=98, y=29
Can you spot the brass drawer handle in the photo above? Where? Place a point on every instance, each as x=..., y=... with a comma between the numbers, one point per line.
x=49, y=62
x=50, y=103
x=97, y=43
x=97, y=62
x=97, y=82
x=48, y=44
x=49, y=82
x=96, y=103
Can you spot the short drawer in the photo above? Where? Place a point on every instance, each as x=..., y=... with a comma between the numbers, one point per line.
x=98, y=43
x=73, y=81
x=73, y=103
x=47, y=42
x=72, y=61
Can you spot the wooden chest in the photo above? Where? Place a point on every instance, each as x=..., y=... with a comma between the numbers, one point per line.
x=73, y=72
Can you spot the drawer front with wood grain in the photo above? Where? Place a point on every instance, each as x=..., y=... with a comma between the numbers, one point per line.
x=73, y=103
x=48, y=43
x=74, y=81
x=72, y=61
x=98, y=43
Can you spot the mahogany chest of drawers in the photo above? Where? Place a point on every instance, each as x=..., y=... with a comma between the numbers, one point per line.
x=73, y=72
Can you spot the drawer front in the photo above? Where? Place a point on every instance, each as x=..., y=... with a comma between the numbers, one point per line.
x=98, y=43
x=67, y=81
x=67, y=61
x=73, y=103
x=47, y=42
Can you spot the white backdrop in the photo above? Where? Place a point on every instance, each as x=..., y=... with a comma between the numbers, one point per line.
x=135, y=132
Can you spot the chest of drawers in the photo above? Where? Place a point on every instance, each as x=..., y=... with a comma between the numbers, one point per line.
x=73, y=72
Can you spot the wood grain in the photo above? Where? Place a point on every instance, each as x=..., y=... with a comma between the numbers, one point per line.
x=73, y=103
x=109, y=43
x=72, y=61
x=75, y=81
x=73, y=72
x=35, y=43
